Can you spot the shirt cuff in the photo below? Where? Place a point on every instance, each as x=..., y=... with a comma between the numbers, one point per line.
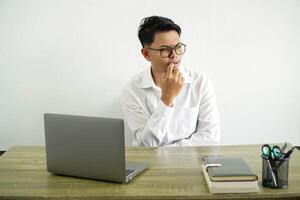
x=158, y=123
x=164, y=110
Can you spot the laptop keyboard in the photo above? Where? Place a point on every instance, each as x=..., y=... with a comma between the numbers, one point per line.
x=129, y=171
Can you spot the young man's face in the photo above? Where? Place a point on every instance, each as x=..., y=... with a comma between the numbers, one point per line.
x=163, y=40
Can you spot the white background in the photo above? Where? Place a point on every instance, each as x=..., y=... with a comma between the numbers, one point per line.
x=74, y=56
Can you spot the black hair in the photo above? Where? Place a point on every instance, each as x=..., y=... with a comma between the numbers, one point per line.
x=151, y=25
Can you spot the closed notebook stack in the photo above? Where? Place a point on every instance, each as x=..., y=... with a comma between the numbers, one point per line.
x=229, y=175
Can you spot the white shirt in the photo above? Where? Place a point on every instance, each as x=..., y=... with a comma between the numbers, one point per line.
x=192, y=120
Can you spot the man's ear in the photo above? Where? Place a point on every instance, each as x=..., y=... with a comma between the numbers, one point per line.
x=145, y=53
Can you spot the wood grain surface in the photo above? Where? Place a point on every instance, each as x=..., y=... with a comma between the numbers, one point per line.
x=174, y=173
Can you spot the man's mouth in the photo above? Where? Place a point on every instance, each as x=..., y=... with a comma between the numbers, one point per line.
x=174, y=62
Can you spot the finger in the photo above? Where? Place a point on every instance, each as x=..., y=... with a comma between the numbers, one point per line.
x=182, y=79
x=176, y=74
x=180, y=76
x=170, y=70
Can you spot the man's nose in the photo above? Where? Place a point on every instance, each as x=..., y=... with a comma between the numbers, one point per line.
x=172, y=53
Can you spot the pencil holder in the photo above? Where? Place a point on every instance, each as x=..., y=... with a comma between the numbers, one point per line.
x=275, y=173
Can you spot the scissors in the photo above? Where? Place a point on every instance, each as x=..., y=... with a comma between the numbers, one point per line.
x=271, y=152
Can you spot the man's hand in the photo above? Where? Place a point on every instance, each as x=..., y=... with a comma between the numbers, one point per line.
x=171, y=84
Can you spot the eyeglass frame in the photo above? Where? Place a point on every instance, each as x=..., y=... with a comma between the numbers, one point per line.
x=170, y=48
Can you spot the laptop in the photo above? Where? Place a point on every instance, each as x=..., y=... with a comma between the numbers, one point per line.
x=88, y=147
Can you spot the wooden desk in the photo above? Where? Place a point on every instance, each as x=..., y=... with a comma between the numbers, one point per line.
x=175, y=173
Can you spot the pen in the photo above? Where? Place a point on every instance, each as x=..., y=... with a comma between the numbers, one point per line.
x=284, y=147
x=289, y=152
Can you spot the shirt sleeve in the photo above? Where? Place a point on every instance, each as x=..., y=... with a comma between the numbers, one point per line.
x=148, y=129
x=208, y=124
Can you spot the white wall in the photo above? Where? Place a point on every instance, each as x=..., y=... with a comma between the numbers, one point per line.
x=73, y=56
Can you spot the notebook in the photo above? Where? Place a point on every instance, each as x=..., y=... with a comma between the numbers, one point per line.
x=230, y=187
x=230, y=169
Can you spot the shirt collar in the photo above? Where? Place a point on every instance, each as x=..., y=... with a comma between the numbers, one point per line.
x=147, y=80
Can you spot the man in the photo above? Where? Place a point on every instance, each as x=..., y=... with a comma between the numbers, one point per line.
x=168, y=104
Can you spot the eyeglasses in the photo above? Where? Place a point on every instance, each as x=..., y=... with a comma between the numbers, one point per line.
x=167, y=51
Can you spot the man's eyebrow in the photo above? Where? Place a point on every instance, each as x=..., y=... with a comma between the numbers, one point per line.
x=168, y=45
